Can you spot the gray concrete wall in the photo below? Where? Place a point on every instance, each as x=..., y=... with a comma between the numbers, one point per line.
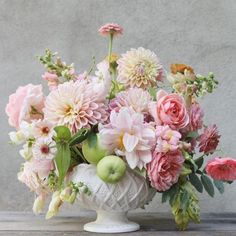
x=201, y=33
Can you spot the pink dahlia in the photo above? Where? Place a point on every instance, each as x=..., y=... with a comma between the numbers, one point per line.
x=139, y=68
x=196, y=117
x=75, y=105
x=169, y=109
x=110, y=28
x=208, y=141
x=222, y=169
x=167, y=139
x=136, y=98
x=25, y=104
x=128, y=136
x=164, y=169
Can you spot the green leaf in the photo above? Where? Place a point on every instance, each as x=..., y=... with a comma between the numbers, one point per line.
x=152, y=91
x=184, y=200
x=62, y=159
x=63, y=133
x=208, y=185
x=219, y=185
x=169, y=194
x=199, y=162
x=192, y=135
x=195, y=181
x=79, y=137
x=92, y=139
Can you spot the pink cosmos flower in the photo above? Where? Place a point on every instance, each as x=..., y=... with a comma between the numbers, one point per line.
x=169, y=110
x=42, y=128
x=25, y=104
x=35, y=174
x=52, y=79
x=110, y=28
x=128, y=136
x=223, y=169
x=44, y=148
x=196, y=117
x=75, y=105
x=164, y=169
x=136, y=98
x=208, y=141
x=167, y=139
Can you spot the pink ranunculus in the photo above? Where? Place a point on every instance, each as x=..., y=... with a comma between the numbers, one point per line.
x=208, y=141
x=110, y=28
x=196, y=117
x=169, y=109
x=35, y=174
x=25, y=104
x=164, y=169
x=223, y=169
x=52, y=79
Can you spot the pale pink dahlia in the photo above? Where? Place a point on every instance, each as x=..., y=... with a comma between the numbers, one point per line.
x=75, y=105
x=208, y=141
x=164, y=169
x=139, y=68
x=110, y=28
x=136, y=98
x=222, y=169
x=128, y=136
x=167, y=139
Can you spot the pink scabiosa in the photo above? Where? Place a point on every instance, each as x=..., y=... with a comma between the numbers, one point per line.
x=25, y=104
x=136, y=98
x=110, y=28
x=209, y=140
x=223, y=169
x=128, y=136
x=139, y=68
x=75, y=105
x=44, y=148
x=167, y=139
x=164, y=169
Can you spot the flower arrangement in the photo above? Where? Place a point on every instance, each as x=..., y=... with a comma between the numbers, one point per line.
x=117, y=119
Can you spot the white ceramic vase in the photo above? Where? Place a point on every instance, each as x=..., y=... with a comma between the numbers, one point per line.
x=112, y=201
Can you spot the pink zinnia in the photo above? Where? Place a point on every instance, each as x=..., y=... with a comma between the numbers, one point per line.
x=209, y=140
x=110, y=28
x=223, y=169
x=164, y=169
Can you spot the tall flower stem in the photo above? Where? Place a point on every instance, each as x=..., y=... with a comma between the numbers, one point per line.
x=110, y=47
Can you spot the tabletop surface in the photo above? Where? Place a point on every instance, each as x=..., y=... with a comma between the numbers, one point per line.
x=21, y=223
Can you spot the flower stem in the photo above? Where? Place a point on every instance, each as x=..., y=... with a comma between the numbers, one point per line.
x=110, y=48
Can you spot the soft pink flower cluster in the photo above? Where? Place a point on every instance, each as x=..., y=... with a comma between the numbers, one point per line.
x=110, y=28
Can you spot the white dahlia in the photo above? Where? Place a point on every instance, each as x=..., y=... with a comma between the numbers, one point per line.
x=75, y=105
x=139, y=68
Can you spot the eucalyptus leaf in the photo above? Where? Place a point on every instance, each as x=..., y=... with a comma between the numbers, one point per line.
x=199, y=162
x=219, y=185
x=184, y=200
x=208, y=185
x=195, y=181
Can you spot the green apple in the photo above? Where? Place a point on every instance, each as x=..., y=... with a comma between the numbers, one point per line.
x=111, y=169
x=95, y=153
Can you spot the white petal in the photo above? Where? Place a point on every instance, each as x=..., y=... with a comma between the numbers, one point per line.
x=132, y=159
x=130, y=142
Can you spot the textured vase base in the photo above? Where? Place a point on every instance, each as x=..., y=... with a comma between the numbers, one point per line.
x=116, y=227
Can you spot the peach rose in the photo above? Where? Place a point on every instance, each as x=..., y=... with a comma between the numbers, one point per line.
x=169, y=109
x=25, y=104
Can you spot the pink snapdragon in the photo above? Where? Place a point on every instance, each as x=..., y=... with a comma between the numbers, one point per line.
x=164, y=169
x=196, y=117
x=52, y=80
x=209, y=140
x=169, y=109
x=223, y=169
x=110, y=28
x=167, y=139
x=25, y=104
x=128, y=136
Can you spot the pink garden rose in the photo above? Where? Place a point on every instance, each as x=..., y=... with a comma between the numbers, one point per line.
x=35, y=175
x=169, y=110
x=52, y=79
x=196, y=117
x=164, y=169
x=167, y=139
x=109, y=28
x=222, y=169
x=25, y=104
x=208, y=141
